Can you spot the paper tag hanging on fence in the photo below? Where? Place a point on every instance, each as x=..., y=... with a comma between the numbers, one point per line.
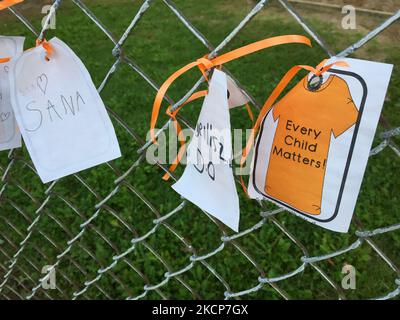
x=62, y=118
x=208, y=179
x=313, y=146
x=10, y=136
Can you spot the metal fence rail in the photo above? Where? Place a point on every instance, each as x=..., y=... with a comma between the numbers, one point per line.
x=20, y=282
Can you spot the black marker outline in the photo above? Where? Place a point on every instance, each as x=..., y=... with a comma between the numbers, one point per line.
x=349, y=156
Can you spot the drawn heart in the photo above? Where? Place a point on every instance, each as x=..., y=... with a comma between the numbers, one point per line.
x=42, y=82
x=4, y=116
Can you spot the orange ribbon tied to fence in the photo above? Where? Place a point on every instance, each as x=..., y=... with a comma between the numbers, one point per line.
x=205, y=64
x=8, y=3
x=46, y=46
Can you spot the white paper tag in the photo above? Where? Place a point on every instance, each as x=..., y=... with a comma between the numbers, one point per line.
x=208, y=179
x=236, y=96
x=61, y=116
x=322, y=156
x=10, y=136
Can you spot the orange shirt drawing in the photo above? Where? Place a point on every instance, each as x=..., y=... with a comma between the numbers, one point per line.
x=298, y=159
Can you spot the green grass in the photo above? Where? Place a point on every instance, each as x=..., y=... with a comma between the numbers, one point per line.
x=160, y=44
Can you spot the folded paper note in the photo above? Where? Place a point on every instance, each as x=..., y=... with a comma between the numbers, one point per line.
x=208, y=177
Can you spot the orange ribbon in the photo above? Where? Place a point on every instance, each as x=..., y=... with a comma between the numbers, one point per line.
x=47, y=46
x=319, y=70
x=8, y=3
x=4, y=60
x=205, y=64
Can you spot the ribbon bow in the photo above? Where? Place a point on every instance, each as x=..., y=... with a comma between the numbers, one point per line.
x=205, y=64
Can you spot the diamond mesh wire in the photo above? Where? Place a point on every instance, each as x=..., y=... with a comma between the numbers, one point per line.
x=160, y=258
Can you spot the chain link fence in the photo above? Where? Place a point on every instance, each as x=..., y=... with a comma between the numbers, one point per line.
x=58, y=229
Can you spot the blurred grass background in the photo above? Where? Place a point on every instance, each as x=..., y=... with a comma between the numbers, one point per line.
x=160, y=44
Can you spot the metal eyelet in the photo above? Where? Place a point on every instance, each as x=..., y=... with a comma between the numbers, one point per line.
x=314, y=83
